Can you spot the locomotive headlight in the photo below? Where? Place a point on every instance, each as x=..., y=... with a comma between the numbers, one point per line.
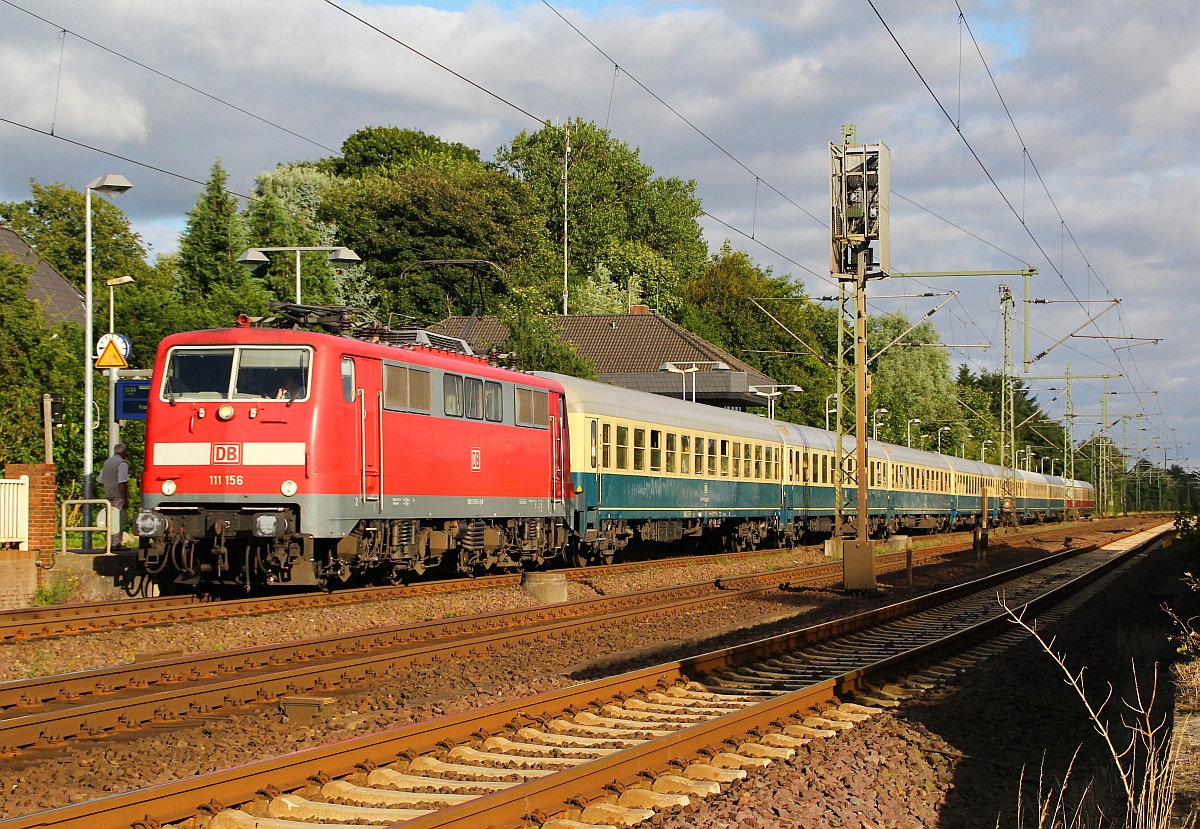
x=149, y=524
x=168, y=488
x=288, y=488
x=225, y=412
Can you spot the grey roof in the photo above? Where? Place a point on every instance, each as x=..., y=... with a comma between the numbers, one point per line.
x=60, y=300
x=627, y=350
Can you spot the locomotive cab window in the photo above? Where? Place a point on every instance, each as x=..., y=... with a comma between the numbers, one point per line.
x=239, y=373
x=348, y=379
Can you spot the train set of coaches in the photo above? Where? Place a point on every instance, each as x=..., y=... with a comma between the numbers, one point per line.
x=296, y=457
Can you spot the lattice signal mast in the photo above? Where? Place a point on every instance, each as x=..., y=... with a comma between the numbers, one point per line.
x=859, y=186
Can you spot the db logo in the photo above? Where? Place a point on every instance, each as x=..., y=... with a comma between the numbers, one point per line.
x=227, y=453
x=476, y=459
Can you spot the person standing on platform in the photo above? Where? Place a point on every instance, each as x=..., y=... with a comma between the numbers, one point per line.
x=114, y=477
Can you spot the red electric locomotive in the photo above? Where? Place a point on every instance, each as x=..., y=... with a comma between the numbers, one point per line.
x=290, y=457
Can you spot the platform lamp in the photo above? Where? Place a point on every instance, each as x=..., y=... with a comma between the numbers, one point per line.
x=111, y=184
x=687, y=367
x=828, y=397
x=966, y=437
x=941, y=429
x=875, y=423
x=983, y=448
x=254, y=258
x=916, y=420
x=772, y=392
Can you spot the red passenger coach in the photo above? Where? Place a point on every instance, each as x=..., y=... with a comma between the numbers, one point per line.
x=292, y=457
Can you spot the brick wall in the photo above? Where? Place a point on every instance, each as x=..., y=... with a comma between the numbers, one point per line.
x=19, y=573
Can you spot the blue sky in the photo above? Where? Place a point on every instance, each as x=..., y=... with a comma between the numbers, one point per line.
x=1108, y=118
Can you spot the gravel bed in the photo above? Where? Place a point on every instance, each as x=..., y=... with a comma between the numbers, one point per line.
x=972, y=752
x=84, y=769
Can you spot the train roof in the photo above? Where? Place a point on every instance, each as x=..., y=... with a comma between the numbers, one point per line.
x=589, y=397
x=407, y=353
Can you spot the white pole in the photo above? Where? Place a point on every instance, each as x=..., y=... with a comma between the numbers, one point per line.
x=88, y=391
x=297, y=277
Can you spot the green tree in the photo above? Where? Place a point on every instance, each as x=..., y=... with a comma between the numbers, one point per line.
x=619, y=214
x=36, y=360
x=912, y=381
x=51, y=220
x=396, y=219
x=386, y=149
x=534, y=340
x=718, y=308
x=209, y=248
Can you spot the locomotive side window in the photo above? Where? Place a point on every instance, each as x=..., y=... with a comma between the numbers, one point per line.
x=473, y=398
x=622, y=447
x=493, y=410
x=395, y=387
x=348, y=379
x=418, y=390
x=452, y=395
x=533, y=408
x=685, y=454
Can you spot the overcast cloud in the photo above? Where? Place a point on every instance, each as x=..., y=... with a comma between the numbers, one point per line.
x=1106, y=97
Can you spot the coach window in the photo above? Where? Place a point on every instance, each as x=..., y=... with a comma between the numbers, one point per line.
x=639, y=449
x=698, y=451
x=452, y=395
x=672, y=442
x=824, y=469
x=348, y=379
x=622, y=447
x=594, y=444
x=493, y=409
x=473, y=398
x=769, y=458
x=737, y=460
x=724, y=459
x=685, y=454
x=656, y=451
x=606, y=446
x=712, y=457
x=804, y=466
x=757, y=461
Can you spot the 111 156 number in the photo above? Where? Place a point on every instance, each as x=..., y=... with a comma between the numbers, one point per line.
x=225, y=480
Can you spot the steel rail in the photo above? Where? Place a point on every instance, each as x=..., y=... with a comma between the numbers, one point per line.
x=179, y=800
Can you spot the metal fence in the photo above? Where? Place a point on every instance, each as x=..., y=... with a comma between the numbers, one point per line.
x=14, y=512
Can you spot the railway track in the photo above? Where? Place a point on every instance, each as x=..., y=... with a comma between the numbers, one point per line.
x=166, y=688
x=620, y=750
x=65, y=620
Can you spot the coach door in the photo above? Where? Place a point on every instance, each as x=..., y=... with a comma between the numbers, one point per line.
x=369, y=400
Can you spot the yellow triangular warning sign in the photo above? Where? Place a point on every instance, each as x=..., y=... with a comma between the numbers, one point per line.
x=111, y=357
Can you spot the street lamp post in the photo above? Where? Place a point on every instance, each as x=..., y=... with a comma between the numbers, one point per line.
x=910, y=423
x=113, y=184
x=827, y=399
x=253, y=258
x=875, y=423
x=967, y=437
x=114, y=431
x=940, y=430
x=771, y=392
x=687, y=367
x=983, y=448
